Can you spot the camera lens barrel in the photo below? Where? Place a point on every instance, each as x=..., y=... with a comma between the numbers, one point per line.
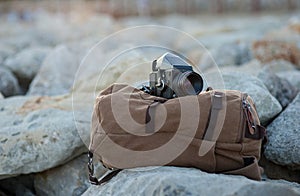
x=188, y=83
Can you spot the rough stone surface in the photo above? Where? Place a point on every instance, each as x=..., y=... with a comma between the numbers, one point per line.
x=279, y=65
x=283, y=145
x=5, y=51
x=292, y=76
x=254, y=67
x=269, y=50
x=36, y=133
x=26, y=63
x=56, y=75
x=22, y=40
x=69, y=179
x=267, y=106
x=185, y=181
x=284, y=182
x=288, y=33
x=8, y=83
x=280, y=88
x=228, y=54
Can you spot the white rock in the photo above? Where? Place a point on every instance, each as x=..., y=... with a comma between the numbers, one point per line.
x=56, y=74
x=283, y=145
x=292, y=76
x=280, y=88
x=26, y=63
x=254, y=67
x=280, y=65
x=36, y=133
x=69, y=179
x=228, y=54
x=8, y=83
x=185, y=181
x=5, y=51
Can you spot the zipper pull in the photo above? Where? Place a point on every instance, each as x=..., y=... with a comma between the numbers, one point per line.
x=249, y=117
x=256, y=131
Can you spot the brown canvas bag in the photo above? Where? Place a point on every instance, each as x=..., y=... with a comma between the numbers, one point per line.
x=217, y=131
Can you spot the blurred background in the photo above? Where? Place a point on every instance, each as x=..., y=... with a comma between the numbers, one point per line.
x=121, y=8
x=30, y=29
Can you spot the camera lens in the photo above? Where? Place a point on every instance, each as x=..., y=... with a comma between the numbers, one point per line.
x=188, y=83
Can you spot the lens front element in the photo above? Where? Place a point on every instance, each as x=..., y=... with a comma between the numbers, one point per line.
x=188, y=83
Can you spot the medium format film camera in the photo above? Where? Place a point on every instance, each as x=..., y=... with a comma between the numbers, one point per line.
x=172, y=77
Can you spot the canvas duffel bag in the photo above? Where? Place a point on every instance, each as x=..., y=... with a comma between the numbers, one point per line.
x=217, y=131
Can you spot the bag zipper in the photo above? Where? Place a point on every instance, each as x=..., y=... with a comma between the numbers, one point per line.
x=248, y=113
x=242, y=130
x=252, y=128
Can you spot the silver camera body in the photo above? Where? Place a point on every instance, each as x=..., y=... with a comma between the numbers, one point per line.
x=172, y=77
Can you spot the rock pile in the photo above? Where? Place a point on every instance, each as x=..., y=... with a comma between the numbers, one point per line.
x=44, y=135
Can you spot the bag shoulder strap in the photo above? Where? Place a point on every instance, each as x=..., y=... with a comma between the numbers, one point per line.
x=106, y=177
x=215, y=122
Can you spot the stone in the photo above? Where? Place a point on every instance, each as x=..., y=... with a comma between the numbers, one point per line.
x=280, y=88
x=274, y=171
x=20, y=185
x=292, y=76
x=283, y=147
x=280, y=65
x=284, y=34
x=26, y=63
x=294, y=185
x=5, y=51
x=228, y=54
x=8, y=83
x=36, y=134
x=19, y=42
x=267, y=106
x=56, y=74
x=130, y=67
x=294, y=24
x=185, y=181
x=72, y=175
x=254, y=67
x=269, y=50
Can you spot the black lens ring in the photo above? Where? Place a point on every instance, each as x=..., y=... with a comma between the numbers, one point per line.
x=195, y=80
